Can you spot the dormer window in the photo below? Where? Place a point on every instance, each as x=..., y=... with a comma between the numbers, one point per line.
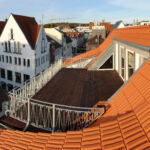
x=11, y=34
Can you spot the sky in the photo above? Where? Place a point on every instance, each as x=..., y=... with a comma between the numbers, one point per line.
x=82, y=11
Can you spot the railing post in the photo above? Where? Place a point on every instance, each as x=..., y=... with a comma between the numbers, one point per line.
x=28, y=109
x=53, y=125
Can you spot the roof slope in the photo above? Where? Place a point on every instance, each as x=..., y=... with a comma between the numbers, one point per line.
x=53, y=42
x=29, y=27
x=125, y=125
x=81, y=87
x=2, y=25
x=138, y=35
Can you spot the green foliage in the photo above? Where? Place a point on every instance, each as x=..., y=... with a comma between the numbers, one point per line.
x=62, y=24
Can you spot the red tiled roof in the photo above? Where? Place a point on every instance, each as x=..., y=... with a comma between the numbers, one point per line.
x=125, y=125
x=2, y=25
x=72, y=34
x=138, y=35
x=29, y=27
x=108, y=26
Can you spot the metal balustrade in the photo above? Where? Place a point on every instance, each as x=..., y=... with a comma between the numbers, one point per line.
x=48, y=116
x=81, y=63
x=52, y=117
x=32, y=86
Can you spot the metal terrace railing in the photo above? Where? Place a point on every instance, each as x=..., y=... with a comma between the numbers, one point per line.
x=81, y=63
x=44, y=115
x=32, y=86
x=52, y=117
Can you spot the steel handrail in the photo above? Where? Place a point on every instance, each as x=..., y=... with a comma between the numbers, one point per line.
x=57, y=105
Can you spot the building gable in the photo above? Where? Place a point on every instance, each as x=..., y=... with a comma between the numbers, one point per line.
x=29, y=27
x=18, y=35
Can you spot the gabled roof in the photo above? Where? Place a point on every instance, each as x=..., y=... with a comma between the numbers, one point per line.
x=29, y=27
x=116, y=25
x=125, y=124
x=2, y=25
x=139, y=35
x=53, y=42
x=108, y=27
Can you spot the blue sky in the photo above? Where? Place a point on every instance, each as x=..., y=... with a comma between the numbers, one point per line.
x=80, y=10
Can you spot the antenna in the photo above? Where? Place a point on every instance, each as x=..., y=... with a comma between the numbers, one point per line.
x=42, y=19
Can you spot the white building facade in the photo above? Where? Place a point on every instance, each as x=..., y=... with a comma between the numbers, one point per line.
x=24, y=51
x=62, y=39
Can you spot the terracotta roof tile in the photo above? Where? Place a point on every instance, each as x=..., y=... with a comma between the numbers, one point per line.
x=138, y=35
x=125, y=125
x=29, y=27
x=2, y=25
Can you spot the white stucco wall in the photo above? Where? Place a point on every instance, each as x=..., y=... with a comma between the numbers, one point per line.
x=58, y=54
x=54, y=34
x=26, y=53
x=39, y=55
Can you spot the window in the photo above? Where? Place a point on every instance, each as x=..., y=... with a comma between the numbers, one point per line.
x=43, y=46
x=18, y=77
x=108, y=64
x=9, y=46
x=142, y=60
x=15, y=47
x=19, y=61
x=19, y=48
x=10, y=87
x=6, y=59
x=28, y=63
x=26, y=77
x=11, y=33
x=10, y=60
x=24, y=62
x=131, y=63
x=123, y=63
x=15, y=61
x=2, y=73
x=39, y=61
x=6, y=49
x=43, y=59
x=9, y=75
x=2, y=58
x=36, y=62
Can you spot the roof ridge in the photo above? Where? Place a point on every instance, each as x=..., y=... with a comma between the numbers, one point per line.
x=134, y=27
x=23, y=16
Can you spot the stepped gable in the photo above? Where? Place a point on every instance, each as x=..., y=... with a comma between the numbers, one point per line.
x=125, y=124
x=139, y=35
x=29, y=27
